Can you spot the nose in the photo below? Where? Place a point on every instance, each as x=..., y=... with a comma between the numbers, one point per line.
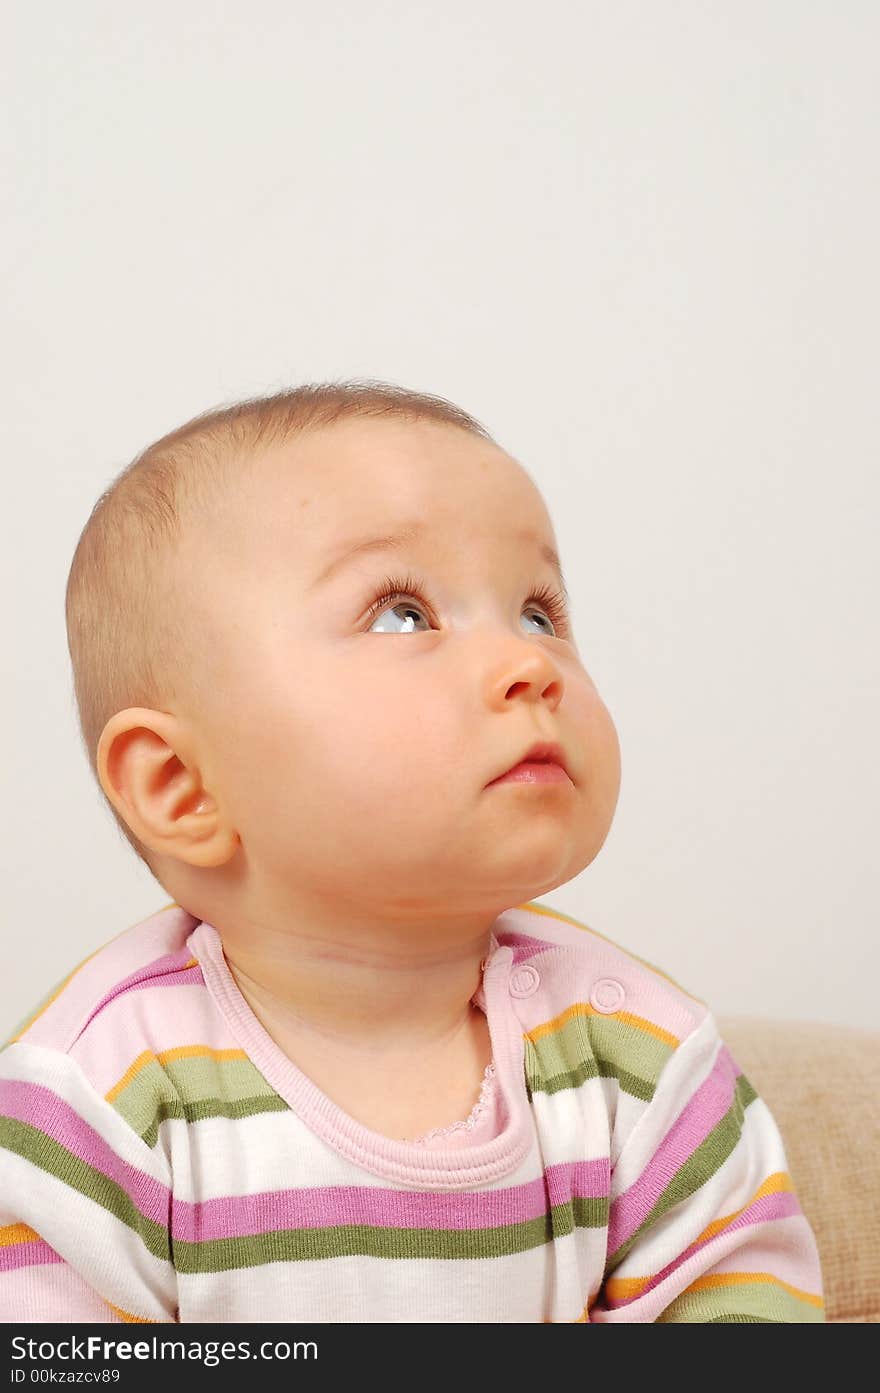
x=526, y=672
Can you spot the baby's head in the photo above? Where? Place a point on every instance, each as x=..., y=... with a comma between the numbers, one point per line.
x=284, y=710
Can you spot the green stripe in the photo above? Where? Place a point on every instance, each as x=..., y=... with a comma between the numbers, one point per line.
x=744, y=1320
x=48, y=1155
x=742, y=1302
x=589, y=1046
x=193, y=1088
x=209, y=1107
x=367, y=1240
x=589, y=1069
x=712, y=1152
x=304, y=1244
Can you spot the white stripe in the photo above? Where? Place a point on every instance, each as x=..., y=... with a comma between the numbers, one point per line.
x=217, y=1156
x=794, y=1259
x=519, y=1287
x=50, y=1292
x=758, y=1154
x=277, y=1151
x=168, y=1018
x=47, y=1068
x=684, y=1073
x=106, y=1253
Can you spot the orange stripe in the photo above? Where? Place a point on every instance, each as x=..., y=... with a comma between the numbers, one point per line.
x=22, y=1233
x=730, y=1279
x=624, y=1288
x=142, y=1060
x=137, y=1320
x=166, y=1057
x=188, y=1051
x=780, y=1180
x=18, y=1233
x=583, y=1008
x=533, y=908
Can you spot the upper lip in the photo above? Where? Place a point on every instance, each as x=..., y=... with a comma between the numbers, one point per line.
x=543, y=752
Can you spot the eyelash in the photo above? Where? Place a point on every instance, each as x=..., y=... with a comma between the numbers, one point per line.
x=394, y=588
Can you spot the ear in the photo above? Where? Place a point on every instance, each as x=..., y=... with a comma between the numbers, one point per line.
x=149, y=772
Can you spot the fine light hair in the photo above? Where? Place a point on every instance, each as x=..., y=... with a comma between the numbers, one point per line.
x=126, y=629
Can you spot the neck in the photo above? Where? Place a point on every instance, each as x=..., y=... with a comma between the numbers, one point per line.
x=378, y=998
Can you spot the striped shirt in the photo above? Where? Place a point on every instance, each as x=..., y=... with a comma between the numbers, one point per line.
x=162, y=1159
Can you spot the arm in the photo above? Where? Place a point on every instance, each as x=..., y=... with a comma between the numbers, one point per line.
x=84, y=1202
x=704, y=1223
x=37, y=1285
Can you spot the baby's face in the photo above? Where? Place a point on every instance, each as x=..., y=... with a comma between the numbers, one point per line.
x=351, y=743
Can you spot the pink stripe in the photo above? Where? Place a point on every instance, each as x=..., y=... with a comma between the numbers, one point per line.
x=704, y=1111
x=787, y=1250
x=578, y=1180
x=110, y=1047
x=781, y=1205
x=524, y=946
x=28, y=1254
x=51, y=1116
x=58, y=1021
x=162, y=972
x=56, y=1293
x=233, y=1216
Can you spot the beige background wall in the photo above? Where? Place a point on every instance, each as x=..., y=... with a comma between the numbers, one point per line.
x=639, y=241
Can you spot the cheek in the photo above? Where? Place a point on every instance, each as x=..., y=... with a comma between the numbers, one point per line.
x=597, y=745
x=397, y=724
x=602, y=757
x=401, y=755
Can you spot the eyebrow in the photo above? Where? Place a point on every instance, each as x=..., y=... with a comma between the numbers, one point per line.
x=407, y=535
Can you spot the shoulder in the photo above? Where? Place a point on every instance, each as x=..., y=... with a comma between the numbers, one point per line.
x=575, y=958
x=109, y=1033
x=581, y=991
x=122, y=1056
x=151, y=954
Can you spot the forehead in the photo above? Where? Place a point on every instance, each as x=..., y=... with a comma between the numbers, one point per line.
x=367, y=476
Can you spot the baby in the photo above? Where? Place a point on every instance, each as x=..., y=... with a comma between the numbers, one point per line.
x=328, y=683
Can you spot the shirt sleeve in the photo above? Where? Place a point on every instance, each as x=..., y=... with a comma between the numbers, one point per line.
x=704, y=1222
x=84, y=1201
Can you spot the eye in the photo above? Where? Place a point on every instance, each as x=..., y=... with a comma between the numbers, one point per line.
x=552, y=602
x=393, y=589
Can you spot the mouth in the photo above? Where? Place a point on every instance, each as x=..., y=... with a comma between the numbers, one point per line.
x=542, y=763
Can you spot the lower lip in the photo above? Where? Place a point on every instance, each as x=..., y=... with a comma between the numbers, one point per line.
x=534, y=774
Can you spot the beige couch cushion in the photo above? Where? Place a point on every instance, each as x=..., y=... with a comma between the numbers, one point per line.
x=822, y=1085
